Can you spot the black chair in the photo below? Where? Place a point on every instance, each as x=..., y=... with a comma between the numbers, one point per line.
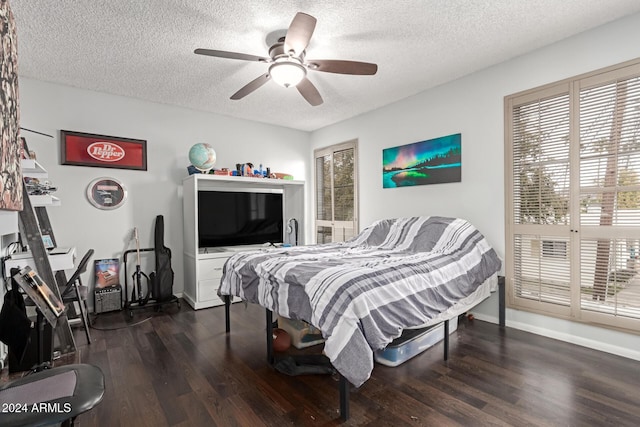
x=75, y=291
x=50, y=397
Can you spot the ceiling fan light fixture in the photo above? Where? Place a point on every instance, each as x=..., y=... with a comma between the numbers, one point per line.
x=287, y=66
x=287, y=73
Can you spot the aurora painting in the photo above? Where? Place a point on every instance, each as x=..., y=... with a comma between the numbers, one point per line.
x=434, y=161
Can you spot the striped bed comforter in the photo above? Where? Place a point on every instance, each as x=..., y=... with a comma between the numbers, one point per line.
x=396, y=274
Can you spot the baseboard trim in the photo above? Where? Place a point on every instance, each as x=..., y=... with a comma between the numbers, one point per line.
x=572, y=339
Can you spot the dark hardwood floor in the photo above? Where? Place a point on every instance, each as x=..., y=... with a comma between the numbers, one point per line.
x=181, y=368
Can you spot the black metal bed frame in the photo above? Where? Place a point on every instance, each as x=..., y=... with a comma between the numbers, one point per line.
x=344, y=383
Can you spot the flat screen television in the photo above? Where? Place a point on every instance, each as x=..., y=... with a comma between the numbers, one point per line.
x=236, y=217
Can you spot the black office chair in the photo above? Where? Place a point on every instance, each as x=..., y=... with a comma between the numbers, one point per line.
x=75, y=291
x=46, y=396
x=50, y=397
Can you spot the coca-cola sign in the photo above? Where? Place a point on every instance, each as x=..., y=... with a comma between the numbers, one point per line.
x=85, y=149
x=106, y=151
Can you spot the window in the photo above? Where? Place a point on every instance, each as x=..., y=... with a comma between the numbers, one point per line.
x=572, y=152
x=549, y=249
x=336, y=217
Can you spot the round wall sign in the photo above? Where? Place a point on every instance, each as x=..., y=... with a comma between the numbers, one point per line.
x=106, y=193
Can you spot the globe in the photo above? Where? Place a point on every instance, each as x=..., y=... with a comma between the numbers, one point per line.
x=202, y=156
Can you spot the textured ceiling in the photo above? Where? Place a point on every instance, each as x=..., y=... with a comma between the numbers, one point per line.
x=144, y=48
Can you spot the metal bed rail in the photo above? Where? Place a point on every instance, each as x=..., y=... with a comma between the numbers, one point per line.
x=344, y=387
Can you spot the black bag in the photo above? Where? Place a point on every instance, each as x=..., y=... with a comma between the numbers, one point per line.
x=15, y=326
x=162, y=278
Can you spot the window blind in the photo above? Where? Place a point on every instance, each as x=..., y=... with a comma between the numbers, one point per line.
x=573, y=198
x=541, y=161
x=609, y=148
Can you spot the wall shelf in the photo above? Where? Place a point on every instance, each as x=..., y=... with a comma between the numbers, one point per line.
x=8, y=222
x=44, y=200
x=33, y=169
x=30, y=168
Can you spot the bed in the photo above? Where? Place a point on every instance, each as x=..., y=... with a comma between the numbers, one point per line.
x=361, y=294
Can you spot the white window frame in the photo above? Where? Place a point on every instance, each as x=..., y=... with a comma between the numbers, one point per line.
x=338, y=228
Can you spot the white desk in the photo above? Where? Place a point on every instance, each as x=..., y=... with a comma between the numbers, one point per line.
x=59, y=258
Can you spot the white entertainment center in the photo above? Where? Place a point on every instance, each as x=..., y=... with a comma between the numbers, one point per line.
x=203, y=266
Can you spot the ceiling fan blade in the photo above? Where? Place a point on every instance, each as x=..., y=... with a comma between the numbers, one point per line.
x=299, y=33
x=309, y=92
x=250, y=87
x=343, y=67
x=231, y=55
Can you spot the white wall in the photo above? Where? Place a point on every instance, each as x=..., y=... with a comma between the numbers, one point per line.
x=473, y=106
x=169, y=132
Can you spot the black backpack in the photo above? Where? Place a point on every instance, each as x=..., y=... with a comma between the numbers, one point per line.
x=15, y=326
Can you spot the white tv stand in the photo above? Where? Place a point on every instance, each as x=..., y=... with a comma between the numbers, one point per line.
x=203, y=266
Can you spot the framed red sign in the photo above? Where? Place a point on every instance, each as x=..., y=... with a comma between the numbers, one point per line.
x=85, y=149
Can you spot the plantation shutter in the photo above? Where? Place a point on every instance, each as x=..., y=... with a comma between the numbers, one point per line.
x=572, y=155
x=540, y=166
x=610, y=197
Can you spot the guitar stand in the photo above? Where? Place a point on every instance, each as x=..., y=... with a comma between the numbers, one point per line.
x=130, y=306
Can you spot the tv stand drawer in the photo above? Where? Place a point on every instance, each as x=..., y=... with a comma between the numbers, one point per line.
x=211, y=268
x=208, y=290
